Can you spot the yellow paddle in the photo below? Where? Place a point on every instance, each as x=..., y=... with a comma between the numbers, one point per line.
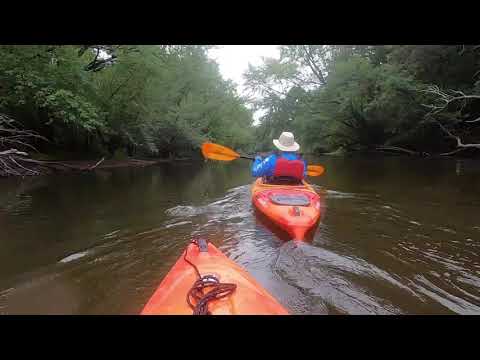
x=223, y=153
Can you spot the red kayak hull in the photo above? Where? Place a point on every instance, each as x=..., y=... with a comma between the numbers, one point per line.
x=297, y=221
x=249, y=297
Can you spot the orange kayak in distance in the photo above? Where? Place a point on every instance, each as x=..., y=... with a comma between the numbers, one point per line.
x=220, y=287
x=296, y=209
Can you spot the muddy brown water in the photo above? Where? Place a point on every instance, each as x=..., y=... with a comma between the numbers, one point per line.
x=397, y=236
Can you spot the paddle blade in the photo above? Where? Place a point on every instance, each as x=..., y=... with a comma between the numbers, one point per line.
x=218, y=152
x=315, y=170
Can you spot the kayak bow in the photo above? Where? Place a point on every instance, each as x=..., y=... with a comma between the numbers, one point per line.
x=220, y=276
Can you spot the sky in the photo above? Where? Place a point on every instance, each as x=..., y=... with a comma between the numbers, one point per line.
x=233, y=60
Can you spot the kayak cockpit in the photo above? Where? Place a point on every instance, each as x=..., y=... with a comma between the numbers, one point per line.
x=282, y=198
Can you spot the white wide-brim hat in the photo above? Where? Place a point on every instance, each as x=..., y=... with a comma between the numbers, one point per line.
x=286, y=142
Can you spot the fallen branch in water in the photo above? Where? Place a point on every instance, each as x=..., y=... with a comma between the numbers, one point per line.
x=98, y=163
x=17, y=163
x=453, y=152
x=50, y=164
x=33, y=172
x=397, y=148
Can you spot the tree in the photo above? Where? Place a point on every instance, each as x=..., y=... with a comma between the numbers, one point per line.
x=95, y=99
x=363, y=97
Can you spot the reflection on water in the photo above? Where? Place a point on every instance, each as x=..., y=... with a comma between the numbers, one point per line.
x=398, y=236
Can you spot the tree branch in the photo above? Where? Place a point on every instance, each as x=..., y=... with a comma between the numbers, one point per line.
x=473, y=121
x=98, y=163
x=120, y=86
x=396, y=148
x=452, y=152
x=445, y=98
x=22, y=167
x=311, y=64
x=460, y=144
x=13, y=151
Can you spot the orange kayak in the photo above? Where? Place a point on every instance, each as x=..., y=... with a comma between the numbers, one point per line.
x=294, y=208
x=234, y=291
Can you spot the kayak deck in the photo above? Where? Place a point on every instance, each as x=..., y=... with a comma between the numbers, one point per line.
x=296, y=213
x=249, y=298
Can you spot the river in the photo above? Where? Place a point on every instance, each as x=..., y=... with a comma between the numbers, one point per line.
x=398, y=235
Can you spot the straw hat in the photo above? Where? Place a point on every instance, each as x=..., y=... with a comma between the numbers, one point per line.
x=286, y=142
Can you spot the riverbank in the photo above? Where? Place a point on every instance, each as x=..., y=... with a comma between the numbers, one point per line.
x=112, y=163
x=31, y=167
x=398, y=151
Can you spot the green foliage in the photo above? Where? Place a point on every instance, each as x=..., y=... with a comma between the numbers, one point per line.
x=447, y=66
x=63, y=105
x=149, y=100
x=362, y=97
x=373, y=104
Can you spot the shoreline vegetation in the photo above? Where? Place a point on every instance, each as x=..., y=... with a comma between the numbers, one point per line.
x=39, y=166
x=28, y=166
x=118, y=103
x=413, y=99
x=93, y=101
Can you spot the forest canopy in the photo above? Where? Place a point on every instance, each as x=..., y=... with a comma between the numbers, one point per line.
x=145, y=100
x=165, y=100
x=412, y=98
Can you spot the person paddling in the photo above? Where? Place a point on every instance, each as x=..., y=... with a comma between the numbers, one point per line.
x=283, y=166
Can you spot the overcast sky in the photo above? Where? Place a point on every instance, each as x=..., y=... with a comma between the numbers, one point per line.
x=234, y=59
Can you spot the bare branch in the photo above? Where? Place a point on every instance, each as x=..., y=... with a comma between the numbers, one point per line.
x=396, y=148
x=453, y=152
x=313, y=66
x=13, y=151
x=22, y=167
x=11, y=158
x=8, y=169
x=121, y=86
x=460, y=144
x=473, y=121
x=444, y=99
x=98, y=163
